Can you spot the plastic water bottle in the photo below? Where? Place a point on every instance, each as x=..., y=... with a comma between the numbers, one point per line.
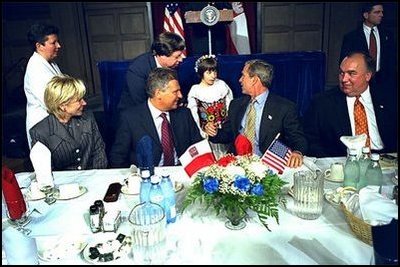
x=156, y=194
x=169, y=195
x=373, y=175
x=364, y=162
x=351, y=170
x=145, y=186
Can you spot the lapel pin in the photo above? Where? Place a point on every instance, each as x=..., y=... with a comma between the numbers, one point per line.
x=269, y=117
x=380, y=106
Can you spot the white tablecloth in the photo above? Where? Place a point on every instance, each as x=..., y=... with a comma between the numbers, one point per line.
x=326, y=240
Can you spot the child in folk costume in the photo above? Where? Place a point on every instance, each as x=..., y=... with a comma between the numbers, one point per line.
x=209, y=100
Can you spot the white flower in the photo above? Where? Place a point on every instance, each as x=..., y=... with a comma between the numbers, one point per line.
x=233, y=170
x=258, y=168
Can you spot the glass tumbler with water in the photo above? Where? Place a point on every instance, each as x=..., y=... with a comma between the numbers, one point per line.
x=308, y=194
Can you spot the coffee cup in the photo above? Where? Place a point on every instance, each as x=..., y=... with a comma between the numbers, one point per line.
x=132, y=182
x=335, y=172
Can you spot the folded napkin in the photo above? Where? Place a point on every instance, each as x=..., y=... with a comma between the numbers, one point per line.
x=243, y=145
x=356, y=142
x=41, y=160
x=144, y=152
x=13, y=197
x=375, y=208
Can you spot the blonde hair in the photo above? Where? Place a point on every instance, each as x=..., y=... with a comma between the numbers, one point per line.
x=61, y=90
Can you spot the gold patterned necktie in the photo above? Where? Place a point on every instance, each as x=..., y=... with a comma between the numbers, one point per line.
x=250, y=126
x=360, y=120
x=372, y=44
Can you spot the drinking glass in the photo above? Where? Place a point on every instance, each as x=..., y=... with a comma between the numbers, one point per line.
x=48, y=190
x=18, y=214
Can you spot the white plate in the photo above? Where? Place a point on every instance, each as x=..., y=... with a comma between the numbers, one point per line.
x=59, y=249
x=31, y=197
x=124, y=190
x=328, y=177
x=330, y=197
x=82, y=190
x=109, y=244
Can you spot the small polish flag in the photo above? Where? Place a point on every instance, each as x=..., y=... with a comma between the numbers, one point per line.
x=196, y=157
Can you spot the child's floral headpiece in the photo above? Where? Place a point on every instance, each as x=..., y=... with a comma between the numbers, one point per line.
x=196, y=64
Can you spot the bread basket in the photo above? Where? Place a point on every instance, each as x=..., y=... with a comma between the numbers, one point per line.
x=360, y=228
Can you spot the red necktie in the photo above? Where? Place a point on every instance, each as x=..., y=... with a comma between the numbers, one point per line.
x=372, y=44
x=360, y=119
x=167, y=141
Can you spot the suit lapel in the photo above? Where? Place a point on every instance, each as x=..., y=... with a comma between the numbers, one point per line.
x=149, y=126
x=58, y=131
x=266, y=118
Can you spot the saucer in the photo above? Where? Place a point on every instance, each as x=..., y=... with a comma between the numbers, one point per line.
x=108, y=248
x=178, y=186
x=31, y=197
x=125, y=190
x=59, y=249
x=82, y=190
x=328, y=177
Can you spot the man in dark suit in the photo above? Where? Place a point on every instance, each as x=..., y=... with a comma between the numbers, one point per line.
x=331, y=116
x=166, y=52
x=359, y=40
x=273, y=115
x=145, y=120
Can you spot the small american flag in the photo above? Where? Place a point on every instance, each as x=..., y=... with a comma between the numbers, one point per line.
x=173, y=20
x=277, y=156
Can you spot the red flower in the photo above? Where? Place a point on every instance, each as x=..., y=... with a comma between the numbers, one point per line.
x=225, y=160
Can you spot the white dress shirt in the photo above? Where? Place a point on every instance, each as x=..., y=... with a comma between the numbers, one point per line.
x=367, y=32
x=155, y=114
x=365, y=99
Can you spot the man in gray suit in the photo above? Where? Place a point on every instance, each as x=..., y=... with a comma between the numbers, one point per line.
x=274, y=115
x=146, y=120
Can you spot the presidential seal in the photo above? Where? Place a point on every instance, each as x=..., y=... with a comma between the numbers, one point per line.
x=209, y=15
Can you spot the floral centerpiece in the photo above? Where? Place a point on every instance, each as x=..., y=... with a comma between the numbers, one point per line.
x=235, y=184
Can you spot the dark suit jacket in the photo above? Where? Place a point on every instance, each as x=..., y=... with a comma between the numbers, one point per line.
x=84, y=150
x=136, y=122
x=356, y=41
x=327, y=119
x=279, y=116
x=134, y=91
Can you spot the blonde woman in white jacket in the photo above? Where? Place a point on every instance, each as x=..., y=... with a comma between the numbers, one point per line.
x=39, y=71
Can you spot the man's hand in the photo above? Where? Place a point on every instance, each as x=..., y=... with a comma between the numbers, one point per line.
x=295, y=160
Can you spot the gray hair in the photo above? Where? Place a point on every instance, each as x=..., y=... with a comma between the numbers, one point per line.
x=261, y=69
x=159, y=79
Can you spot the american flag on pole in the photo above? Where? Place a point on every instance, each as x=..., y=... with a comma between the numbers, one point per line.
x=238, y=32
x=277, y=156
x=173, y=20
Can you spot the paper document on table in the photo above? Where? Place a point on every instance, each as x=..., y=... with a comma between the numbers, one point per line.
x=41, y=160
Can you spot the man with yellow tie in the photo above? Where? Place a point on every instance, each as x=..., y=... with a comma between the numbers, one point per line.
x=260, y=115
x=354, y=108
